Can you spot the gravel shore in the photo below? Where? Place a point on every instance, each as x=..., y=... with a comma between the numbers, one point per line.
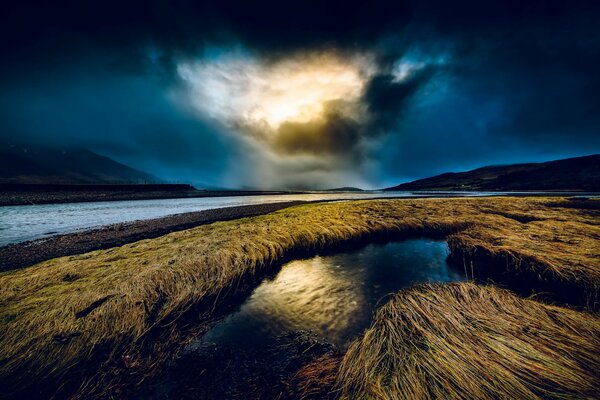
x=21, y=255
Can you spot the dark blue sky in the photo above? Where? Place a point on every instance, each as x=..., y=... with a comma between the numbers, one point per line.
x=444, y=86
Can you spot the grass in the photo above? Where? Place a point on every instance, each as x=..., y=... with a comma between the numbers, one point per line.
x=545, y=246
x=82, y=320
x=317, y=379
x=465, y=341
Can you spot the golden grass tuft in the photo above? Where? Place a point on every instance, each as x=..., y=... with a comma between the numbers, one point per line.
x=464, y=341
x=316, y=380
x=101, y=306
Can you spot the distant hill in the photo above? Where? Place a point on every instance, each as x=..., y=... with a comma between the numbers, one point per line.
x=42, y=165
x=344, y=189
x=579, y=173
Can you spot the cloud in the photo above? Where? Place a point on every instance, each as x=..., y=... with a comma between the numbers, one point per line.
x=323, y=94
x=238, y=88
x=129, y=118
x=305, y=114
x=334, y=133
x=293, y=109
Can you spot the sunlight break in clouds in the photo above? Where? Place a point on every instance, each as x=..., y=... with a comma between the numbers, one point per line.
x=235, y=89
x=301, y=116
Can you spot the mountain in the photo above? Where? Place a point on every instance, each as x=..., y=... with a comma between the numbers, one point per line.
x=37, y=165
x=579, y=173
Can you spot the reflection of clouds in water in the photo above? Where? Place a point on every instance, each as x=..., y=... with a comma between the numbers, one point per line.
x=309, y=294
x=333, y=296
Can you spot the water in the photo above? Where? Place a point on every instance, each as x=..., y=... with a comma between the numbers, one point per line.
x=28, y=222
x=333, y=296
x=288, y=319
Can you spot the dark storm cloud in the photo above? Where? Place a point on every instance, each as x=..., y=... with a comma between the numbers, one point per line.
x=387, y=98
x=518, y=88
x=338, y=133
x=122, y=32
x=335, y=134
x=182, y=25
x=128, y=118
x=518, y=80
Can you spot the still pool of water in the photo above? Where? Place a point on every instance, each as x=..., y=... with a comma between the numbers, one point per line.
x=333, y=297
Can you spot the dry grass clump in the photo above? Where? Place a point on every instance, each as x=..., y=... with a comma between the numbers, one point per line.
x=317, y=379
x=554, y=242
x=464, y=341
x=101, y=306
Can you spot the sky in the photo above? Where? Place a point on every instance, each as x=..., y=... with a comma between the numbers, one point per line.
x=303, y=95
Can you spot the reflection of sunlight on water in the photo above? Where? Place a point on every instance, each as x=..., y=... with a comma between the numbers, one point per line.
x=315, y=295
x=310, y=294
x=333, y=296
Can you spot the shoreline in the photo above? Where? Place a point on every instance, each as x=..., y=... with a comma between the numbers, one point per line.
x=82, y=195
x=26, y=195
x=21, y=255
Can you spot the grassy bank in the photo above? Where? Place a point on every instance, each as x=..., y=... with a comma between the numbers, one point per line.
x=464, y=341
x=82, y=320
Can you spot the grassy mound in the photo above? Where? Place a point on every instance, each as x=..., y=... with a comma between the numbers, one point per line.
x=72, y=320
x=464, y=341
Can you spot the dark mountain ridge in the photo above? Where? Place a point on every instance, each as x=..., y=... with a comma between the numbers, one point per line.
x=43, y=165
x=570, y=174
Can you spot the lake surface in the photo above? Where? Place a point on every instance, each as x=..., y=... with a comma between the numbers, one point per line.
x=28, y=222
x=286, y=319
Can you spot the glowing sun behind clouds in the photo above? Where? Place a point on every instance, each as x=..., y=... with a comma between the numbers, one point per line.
x=238, y=89
x=301, y=115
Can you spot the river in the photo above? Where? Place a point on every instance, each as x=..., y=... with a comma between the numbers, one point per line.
x=29, y=222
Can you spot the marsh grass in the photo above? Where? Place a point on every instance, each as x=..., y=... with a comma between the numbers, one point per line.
x=316, y=380
x=81, y=324
x=465, y=341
